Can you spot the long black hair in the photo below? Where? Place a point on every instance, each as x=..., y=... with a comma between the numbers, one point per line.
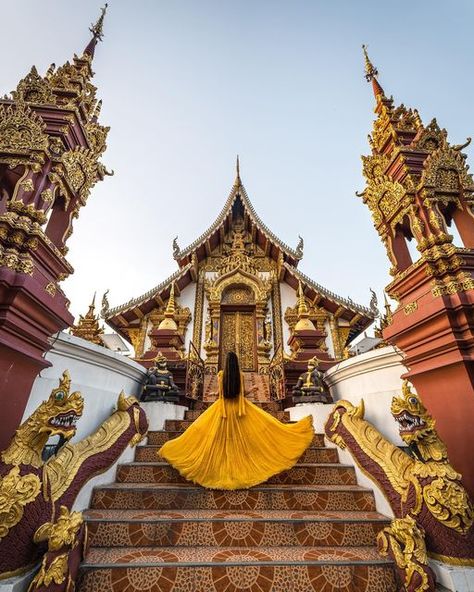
x=231, y=377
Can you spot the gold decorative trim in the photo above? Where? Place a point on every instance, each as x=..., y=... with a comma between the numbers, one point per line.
x=198, y=312
x=410, y=308
x=452, y=560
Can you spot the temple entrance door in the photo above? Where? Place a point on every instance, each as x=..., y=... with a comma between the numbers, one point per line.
x=238, y=335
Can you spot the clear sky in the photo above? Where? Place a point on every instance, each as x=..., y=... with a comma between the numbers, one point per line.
x=186, y=85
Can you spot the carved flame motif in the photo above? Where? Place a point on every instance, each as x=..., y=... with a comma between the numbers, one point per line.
x=16, y=492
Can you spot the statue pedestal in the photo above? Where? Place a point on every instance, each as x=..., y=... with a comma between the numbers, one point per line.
x=158, y=412
x=18, y=583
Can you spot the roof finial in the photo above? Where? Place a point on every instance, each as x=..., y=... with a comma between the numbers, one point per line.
x=371, y=74
x=371, y=71
x=97, y=31
x=304, y=323
x=237, y=171
x=169, y=322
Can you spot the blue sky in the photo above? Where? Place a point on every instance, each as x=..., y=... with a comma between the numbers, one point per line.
x=187, y=85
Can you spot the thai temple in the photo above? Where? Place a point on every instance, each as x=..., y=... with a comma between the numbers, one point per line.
x=381, y=499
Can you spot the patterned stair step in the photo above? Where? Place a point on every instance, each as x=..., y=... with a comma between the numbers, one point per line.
x=153, y=496
x=302, y=473
x=194, y=414
x=124, y=528
x=311, y=455
x=159, y=438
x=212, y=569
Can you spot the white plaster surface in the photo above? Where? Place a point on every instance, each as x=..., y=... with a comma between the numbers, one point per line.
x=187, y=299
x=375, y=377
x=452, y=577
x=18, y=583
x=288, y=298
x=158, y=412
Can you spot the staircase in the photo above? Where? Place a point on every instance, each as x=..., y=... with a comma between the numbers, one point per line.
x=311, y=528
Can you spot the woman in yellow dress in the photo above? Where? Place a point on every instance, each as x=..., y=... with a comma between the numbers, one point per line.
x=234, y=444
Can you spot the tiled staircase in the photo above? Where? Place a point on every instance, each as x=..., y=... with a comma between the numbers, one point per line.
x=311, y=528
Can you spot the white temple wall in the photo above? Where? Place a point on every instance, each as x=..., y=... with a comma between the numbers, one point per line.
x=188, y=298
x=288, y=298
x=99, y=374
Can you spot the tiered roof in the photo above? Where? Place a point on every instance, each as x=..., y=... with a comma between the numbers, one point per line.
x=238, y=203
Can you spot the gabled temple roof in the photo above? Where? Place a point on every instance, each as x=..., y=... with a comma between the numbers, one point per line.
x=213, y=235
x=238, y=204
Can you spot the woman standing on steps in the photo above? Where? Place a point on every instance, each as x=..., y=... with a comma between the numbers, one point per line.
x=234, y=444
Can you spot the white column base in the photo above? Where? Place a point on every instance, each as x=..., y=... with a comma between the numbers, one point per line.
x=158, y=412
x=18, y=583
x=453, y=577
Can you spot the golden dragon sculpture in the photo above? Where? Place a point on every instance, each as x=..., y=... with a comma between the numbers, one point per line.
x=434, y=515
x=36, y=496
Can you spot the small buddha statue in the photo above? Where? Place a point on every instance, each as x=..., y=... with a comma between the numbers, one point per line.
x=311, y=387
x=159, y=384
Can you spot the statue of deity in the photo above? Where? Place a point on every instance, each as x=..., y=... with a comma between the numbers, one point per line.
x=311, y=387
x=159, y=384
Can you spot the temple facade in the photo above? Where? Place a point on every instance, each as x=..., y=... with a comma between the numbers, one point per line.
x=238, y=288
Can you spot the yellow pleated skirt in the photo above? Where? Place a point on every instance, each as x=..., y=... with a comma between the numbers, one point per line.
x=235, y=445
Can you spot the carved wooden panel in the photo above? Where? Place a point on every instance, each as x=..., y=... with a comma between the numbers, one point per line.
x=238, y=335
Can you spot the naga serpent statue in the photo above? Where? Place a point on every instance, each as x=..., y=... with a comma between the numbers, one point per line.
x=433, y=513
x=36, y=497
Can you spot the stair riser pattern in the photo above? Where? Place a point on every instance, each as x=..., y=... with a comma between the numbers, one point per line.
x=319, y=475
x=136, y=499
x=278, y=578
x=159, y=438
x=232, y=533
x=311, y=455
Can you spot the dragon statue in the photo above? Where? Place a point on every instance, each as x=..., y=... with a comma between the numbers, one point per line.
x=36, y=496
x=433, y=513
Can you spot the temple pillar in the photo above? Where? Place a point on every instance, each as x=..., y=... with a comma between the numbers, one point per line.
x=50, y=145
x=414, y=193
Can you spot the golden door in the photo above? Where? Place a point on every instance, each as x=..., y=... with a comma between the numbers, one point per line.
x=238, y=335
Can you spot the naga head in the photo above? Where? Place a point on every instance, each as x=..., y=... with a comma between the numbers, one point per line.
x=414, y=421
x=59, y=414
x=56, y=416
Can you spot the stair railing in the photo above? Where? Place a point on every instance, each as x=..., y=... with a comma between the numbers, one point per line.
x=194, y=374
x=276, y=375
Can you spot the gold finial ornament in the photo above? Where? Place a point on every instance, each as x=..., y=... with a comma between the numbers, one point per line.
x=371, y=71
x=97, y=29
x=237, y=171
x=168, y=322
x=304, y=323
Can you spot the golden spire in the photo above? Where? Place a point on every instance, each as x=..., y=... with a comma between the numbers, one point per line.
x=97, y=31
x=88, y=326
x=371, y=71
x=371, y=74
x=168, y=322
x=90, y=312
x=237, y=172
x=304, y=323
